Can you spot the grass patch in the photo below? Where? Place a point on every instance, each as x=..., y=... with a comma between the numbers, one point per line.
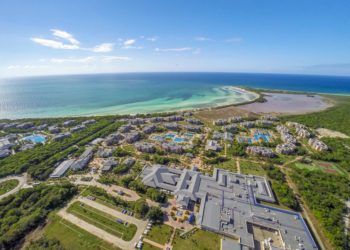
x=253, y=168
x=147, y=246
x=102, y=220
x=72, y=236
x=200, y=239
x=160, y=233
x=326, y=167
x=7, y=186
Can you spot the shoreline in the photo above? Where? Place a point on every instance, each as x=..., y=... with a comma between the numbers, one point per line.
x=260, y=98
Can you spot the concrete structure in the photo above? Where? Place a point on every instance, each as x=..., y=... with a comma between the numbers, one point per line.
x=109, y=164
x=226, y=136
x=232, y=128
x=171, y=147
x=317, y=144
x=54, y=129
x=5, y=144
x=260, y=151
x=174, y=118
x=113, y=139
x=87, y=122
x=25, y=125
x=286, y=148
x=148, y=129
x=220, y=122
x=247, y=124
x=78, y=128
x=193, y=128
x=229, y=206
x=61, y=136
x=236, y=119
x=83, y=160
x=132, y=137
x=104, y=152
x=68, y=123
x=4, y=153
x=62, y=168
x=194, y=121
x=171, y=126
x=213, y=146
x=145, y=147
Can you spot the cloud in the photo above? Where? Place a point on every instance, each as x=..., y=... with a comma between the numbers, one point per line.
x=14, y=67
x=65, y=35
x=152, y=39
x=54, y=44
x=202, y=39
x=129, y=42
x=174, y=49
x=65, y=40
x=236, y=40
x=103, y=48
x=72, y=60
x=115, y=58
x=26, y=67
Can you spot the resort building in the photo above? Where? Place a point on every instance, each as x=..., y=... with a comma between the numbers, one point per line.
x=317, y=144
x=4, y=153
x=129, y=162
x=104, y=152
x=213, y=145
x=132, y=137
x=78, y=128
x=108, y=165
x=174, y=118
x=54, y=129
x=113, y=139
x=303, y=133
x=68, y=123
x=263, y=122
x=247, y=124
x=232, y=128
x=171, y=126
x=145, y=147
x=156, y=119
x=269, y=118
x=83, y=160
x=226, y=136
x=61, y=136
x=148, y=129
x=137, y=121
x=25, y=125
x=286, y=148
x=193, y=128
x=194, y=121
x=172, y=147
x=236, y=119
x=220, y=122
x=62, y=168
x=229, y=205
x=260, y=151
x=88, y=122
x=5, y=144
x=282, y=129
x=42, y=127
x=125, y=128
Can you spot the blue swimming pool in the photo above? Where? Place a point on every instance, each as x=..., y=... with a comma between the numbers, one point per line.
x=35, y=138
x=170, y=135
x=179, y=139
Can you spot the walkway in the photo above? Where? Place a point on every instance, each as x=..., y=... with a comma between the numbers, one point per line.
x=22, y=183
x=140, y=224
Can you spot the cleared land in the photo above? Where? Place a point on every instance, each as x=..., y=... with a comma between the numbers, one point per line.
x=102, y=220
x=253, y=168
x=8, y=185
x=199, y=239
x=326, y=167
x=72, y=236
x=160, y=233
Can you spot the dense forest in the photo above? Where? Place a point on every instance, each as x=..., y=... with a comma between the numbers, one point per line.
x=24, y=211
x=325, y=195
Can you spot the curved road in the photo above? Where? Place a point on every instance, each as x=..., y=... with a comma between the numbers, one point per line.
x=22, y=179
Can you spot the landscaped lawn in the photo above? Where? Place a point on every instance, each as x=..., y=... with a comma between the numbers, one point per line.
x=7, y=186
x=203, y=240
x=160, y=233
x=102, y=220
x=73, y=237
x=251, y=168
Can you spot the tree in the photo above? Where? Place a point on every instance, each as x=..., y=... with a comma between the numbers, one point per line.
x=156, y=214
x=141, y=207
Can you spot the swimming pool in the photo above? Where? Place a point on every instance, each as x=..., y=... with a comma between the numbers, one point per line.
x=170, y=135
x=35, y=138
x=179, y=139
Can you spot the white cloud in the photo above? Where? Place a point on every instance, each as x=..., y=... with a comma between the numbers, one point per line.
x=115, y=58
x=129, y=42
x=202, y=38
x=70, y=42
x=103, y=48
x=65, y=35
x=72, y=60
x=152, y=39
x=54, y=44
x=174, y=49
x=26, y=67
x=236, y=40
x=14, y=67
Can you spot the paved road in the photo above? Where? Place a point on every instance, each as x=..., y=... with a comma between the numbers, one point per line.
x=140, y=224
x=22, y=183
x=129, y=194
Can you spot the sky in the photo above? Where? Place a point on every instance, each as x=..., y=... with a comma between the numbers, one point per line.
x=76, y=37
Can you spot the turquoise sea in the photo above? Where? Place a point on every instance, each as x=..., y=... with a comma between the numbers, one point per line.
x=51, y=96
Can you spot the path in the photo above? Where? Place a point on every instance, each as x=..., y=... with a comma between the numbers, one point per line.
x=22, y=183
x=238, y=166
x=151, y=242
x=141, y=225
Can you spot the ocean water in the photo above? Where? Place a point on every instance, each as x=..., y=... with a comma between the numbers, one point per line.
x=100, y=94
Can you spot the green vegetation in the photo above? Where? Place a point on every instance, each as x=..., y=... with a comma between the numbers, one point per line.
x=147, y=246
x=325, y=195
x=44, y=243
x=103, y=220
x=24, y=211
x=160, y=233
x=72, y=236
x=8, y=185
x=336, y=118
x=248, y=167
x=40, y=160
x=156, y=195
x=284, y=193
x=199, y=239
x=156, y=215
